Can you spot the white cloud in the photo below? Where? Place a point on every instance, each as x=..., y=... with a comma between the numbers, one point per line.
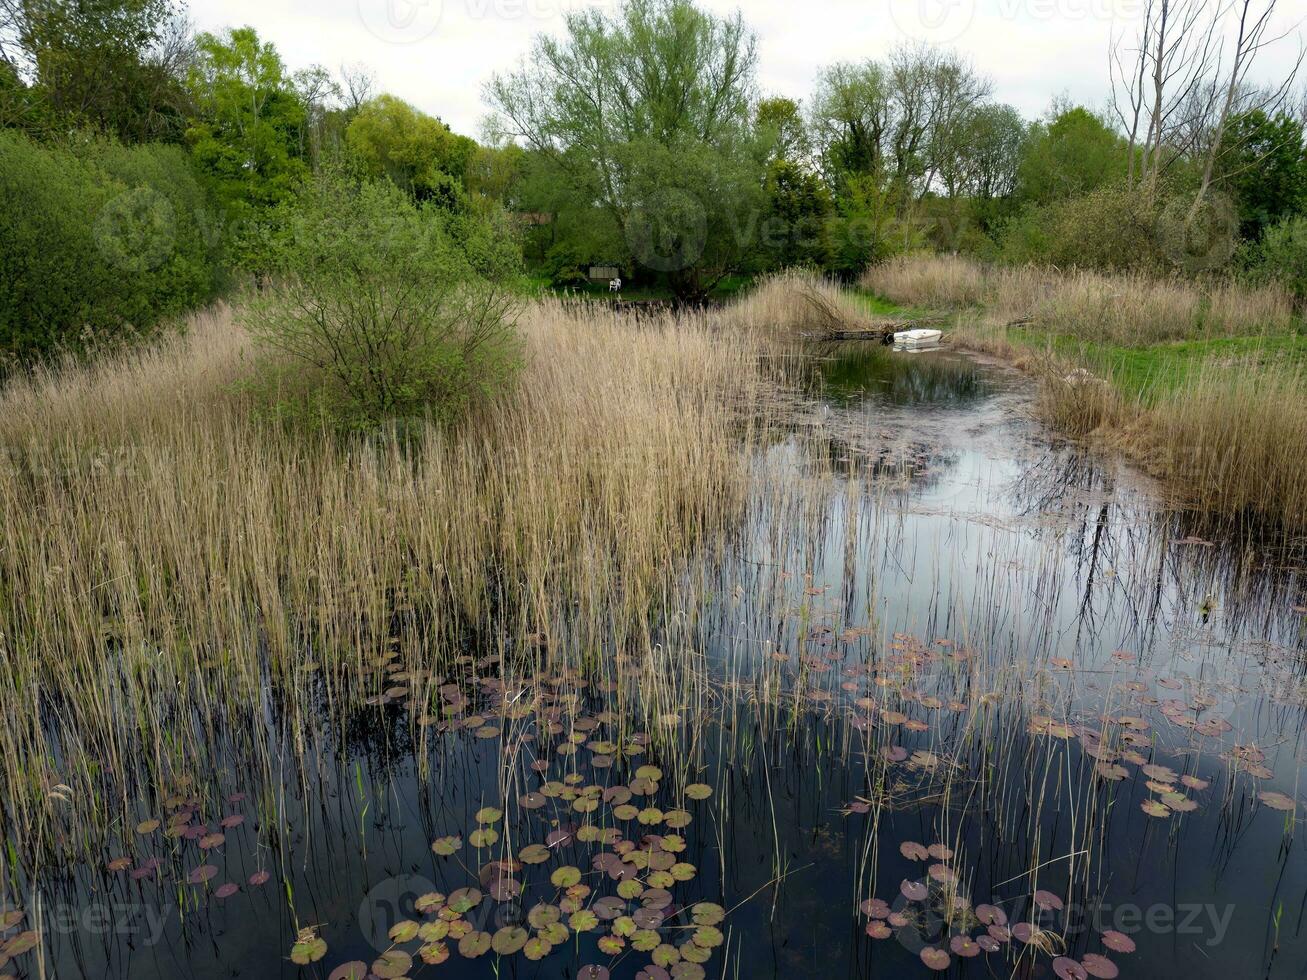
x=437, y=54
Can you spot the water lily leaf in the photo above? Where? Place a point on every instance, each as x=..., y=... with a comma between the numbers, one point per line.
x=565, y=877
x=392, y=964
x=354, y=970
x=434, y=931
x=463, y=900
x=935, y=959
x=914, y=891
x=543, y=915
x=645, y=940
x=534, y=854
x=708, y=937
x=1099, y=966
x=583, y=921
x=1118, y=942
x=445, y=846
x=707, y=914
x=309, y=949
x=914, y=851
x=537, y=948
x=433, y=953
x=509, y=940
x=1069, y=969
x=1278, y=801
x=474, y=944
x=403, y=932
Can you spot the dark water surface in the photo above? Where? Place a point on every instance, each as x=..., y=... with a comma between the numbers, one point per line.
x=936, y=627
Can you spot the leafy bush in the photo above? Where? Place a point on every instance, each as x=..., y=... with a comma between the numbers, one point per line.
x=1281, y=256
x=1107, y=229
x=97, y=242
x=391, y=309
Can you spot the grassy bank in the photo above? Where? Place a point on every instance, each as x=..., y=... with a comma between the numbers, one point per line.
x=1205, y=383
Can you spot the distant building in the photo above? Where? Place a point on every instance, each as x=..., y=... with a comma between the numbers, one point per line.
x=604, y=274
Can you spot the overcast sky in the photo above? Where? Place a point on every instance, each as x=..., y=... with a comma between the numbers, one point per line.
x=437, y=54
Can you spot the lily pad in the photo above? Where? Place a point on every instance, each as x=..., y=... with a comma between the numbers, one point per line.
x=392, y=964
x=474, y=944
x=355, y=970
x=935, y=959
x=509, y=940
x=1118, y=942
x=1099, y=966
x=309, y=948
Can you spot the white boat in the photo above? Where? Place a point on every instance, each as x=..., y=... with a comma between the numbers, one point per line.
x=916, y=339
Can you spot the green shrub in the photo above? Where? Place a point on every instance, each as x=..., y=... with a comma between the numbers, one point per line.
x=1107, y=229
x=382, y=309
x=98, y=242
x=1281, y=256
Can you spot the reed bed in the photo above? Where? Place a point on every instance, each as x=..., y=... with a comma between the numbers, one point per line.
x=167, y=550
x=1224, y=436
x=1126, y=309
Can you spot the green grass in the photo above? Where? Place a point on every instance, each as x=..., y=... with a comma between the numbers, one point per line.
x=1158, y=369
x=880, y=306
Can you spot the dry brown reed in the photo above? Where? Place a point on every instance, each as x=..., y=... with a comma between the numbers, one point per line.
x=1225, y=438
x=165, y=547
x=1121, y=308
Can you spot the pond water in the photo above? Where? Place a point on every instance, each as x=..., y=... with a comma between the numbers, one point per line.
x=956, y=696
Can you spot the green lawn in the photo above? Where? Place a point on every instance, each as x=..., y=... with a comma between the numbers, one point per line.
x=1159, y=368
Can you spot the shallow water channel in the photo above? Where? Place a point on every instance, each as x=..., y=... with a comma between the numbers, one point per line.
x=956, y=696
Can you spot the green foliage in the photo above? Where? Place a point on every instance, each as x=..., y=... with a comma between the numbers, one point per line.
x=867, y=229
x=98, y=242
x=781, y=125
x=110, y=65
x=1281, y=256
x=1108, y=228
x=1076, y=153
x=671, y=156
x=417, y=152
x=246, y=138
x=383, y=310
x=797, y=220
x=1263, y=165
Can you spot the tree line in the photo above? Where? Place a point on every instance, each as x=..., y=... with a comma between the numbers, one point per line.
x=145, y=168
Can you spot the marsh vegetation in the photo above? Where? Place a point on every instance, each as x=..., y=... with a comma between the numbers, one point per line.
x=380, y=598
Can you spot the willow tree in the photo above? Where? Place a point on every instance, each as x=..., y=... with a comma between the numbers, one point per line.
x=648, y=113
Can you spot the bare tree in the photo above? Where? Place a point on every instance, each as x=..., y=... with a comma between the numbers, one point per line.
x=1176, y=51
x=357, y=85
x=1252, y=37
